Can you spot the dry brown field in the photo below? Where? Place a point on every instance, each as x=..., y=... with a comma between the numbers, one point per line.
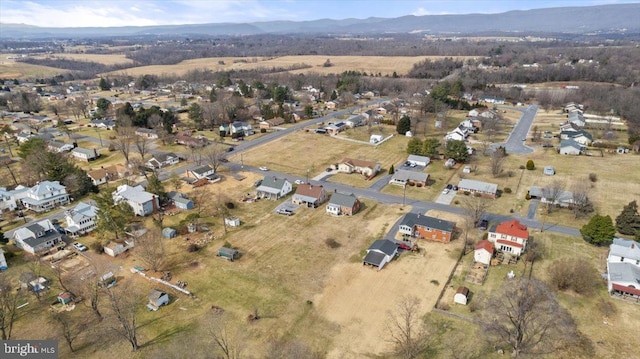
x=105, y=59
x=10, y=69
x=385, y=65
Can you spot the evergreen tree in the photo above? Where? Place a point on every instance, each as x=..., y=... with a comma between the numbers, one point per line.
x=530, y=165
x=404, y=125
x=195, y=115
x=599, y=231
x=391, y=170
x=104, y=84
x=213, y=96
x=414, y=147
x=456, y=150
x=156, y=187
x=112, y=219
x=628, y=222
x=430, y=147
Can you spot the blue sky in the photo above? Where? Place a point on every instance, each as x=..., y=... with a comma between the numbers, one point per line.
x=83, y=13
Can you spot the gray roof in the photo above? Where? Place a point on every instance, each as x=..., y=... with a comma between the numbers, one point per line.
x=478, y=186
x=374, y=258
x=86, y=151
x=163, y=157
x=228, y=251
x=343, y=200
x=417, y=158
x=543, y=192
x=155, y=294
x=202, y=169
x=383, y=245
x=404, y=175
x=413, y=219
x=624, y=272
x=45, y=187
x=625, y=248
x=571, y=143
x=272, y=183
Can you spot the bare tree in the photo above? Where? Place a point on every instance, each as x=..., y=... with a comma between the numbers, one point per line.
x=69, y=328
x=526, y=317
x=9, y=298
x=552, y=193
x=142, y=145
x=150, y=249
x=91, y=291
x=124, y=299
x=124, y=140
x=497, y=162
x=214, y=155
x=581, y=205
x=226, y=338
x=405, y=328
x=475, y=208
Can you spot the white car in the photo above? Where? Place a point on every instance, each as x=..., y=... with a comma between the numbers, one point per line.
x=263, y=168
x=445, y=191
x=299, y=181
x=79, y=246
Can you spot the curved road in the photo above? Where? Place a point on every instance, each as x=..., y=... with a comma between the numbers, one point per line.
x=515, y=141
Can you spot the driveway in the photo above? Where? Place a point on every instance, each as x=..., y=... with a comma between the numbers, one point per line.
x=446, y=198
x=515, y=143
x=533, y=208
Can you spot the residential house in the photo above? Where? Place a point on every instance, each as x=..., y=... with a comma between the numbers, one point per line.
x=85, y=154
x=404, y=177
x=274, y=188
x=380, y=253
x=202, y=172
x=23, y=137
x=473, y=113
x=492, y=99
x=161, y=160
x=309, y=195
x=510, y=237
x=582, y=137
x=117, y=171
x=623, y=268
x=355, y=121
x=45, y=196
x=37, y=237
x=147, y=133
x=7, y=200
x=488, y=190
x=81, y=219
x=180, y=200
x=331, y=105
x=418, y=160
x=484, y=252
x=571, y=147
x=424, y=227
x=98, y=176
x=367, y=168
x=157, y=298
x=191, y=142
x=343, y=204
x=113, y=248
x=274, y=122
x=547, y=195
x=456, y=135
x=240, y=129
x=141, y=201
x=108, y=123
x=59, y=147
x=577, y=119
x=335, y=128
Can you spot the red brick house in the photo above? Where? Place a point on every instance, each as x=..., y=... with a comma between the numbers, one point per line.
x=424, y=227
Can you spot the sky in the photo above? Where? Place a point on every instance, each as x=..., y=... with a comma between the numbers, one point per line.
x=107, y=13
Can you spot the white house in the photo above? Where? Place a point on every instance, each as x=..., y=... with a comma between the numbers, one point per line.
x=37, y=237
x=161, y=160
x=85, y=154
x=141, y=201
x=274, y=188
x=56, y=146
x=623, y=268
x=7, y=200
x=44, y=196
x=201, y=172
x=456, y=135
x=483, y=252
x=509, y=237
x=157, y=298
x=546, y=195
x=380, y=253
x=419, y=160
x=570, y=147
x=81, y=219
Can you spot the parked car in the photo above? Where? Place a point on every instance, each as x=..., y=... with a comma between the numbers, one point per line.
x=483, y=224
x=329, y=169
x=263, y=168
x=404, y=246
x=449, y=186
x=79, y=246
x=455, y=188
x=299, y=181
x=229, y=149
x=445, y=191
x=284, y=211
x=257, y=183
x=406, y=164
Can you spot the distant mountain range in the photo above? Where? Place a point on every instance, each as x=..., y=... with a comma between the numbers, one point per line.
x=571, y=20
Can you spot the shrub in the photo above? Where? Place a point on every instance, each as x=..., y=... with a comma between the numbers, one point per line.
x=474, y=306
x=97, y=247
x=477, y=194
x=434, y=282
x=456, y=202
x=192, y=248
x=507, y=190
x=528, y=196
x=466, y=193
x=593, y=177
x=530, y=165
x=575, y=274
x=521, y=167
x=230, y=205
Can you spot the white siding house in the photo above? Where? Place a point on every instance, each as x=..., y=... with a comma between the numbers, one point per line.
x=44, y=196
x=81, y=219
x=141, y=201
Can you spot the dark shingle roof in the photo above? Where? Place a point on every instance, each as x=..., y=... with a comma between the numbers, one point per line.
x=412, y=219
x=383, y=245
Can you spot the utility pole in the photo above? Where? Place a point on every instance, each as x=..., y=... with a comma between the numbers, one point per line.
x=241, y=160
x=307, y=175
x=404, y=194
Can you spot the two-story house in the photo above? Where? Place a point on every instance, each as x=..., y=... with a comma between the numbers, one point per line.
x=417, y=225
x=7, y=200
x=509, y=237
x=45, y=196
x=141, y=201
x=81, y=219
x=37, y=237
x=623, y=268
x=341, y=204
x=274, y=188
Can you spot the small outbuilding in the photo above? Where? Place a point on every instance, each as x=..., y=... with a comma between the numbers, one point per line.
x=232, y=221
x=65, y=297
x=3, y=261
x=228, y=253
x=483, y=252
x=461, y=296
x=168, y=232
x=549, y=171
x=157, y=298
x=375, y=138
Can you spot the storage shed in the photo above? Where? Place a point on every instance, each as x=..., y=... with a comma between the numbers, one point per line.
x=157, y=298
x=232, y=221
x=64, y=297
x=3, y=261
x=461, y=296
x=168, y=232
x=228, y=253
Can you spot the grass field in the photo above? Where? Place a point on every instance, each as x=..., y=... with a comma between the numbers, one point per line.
x=385, y=65
x=10, y=69
x=105, y=59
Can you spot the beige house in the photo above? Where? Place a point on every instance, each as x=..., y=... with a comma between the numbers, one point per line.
x=366, y=168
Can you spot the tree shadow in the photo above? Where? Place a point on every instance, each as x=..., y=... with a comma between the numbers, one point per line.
x=165, y=335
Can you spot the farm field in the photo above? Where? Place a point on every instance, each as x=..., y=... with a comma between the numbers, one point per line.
x=105, y=59
x=385, y=65
x=11, y=69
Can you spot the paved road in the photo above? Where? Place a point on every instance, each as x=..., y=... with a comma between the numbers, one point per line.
x=515, y=143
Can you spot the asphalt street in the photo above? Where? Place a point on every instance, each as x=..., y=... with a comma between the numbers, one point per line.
x=516, y=141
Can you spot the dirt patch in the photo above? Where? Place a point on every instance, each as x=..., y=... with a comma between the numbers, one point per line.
x=357, y=298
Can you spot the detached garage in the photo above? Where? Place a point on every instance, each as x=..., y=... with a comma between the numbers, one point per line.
x=380, y=253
